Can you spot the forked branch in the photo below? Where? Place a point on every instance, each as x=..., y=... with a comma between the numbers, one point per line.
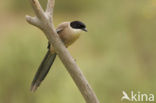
x=44, y=21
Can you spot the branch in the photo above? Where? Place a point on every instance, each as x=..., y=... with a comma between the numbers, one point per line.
x=38, y=9
x=33, y=20
x=50, y=6
x=45, y=23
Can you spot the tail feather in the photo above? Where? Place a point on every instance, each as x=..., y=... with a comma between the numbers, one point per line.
x=43, y=70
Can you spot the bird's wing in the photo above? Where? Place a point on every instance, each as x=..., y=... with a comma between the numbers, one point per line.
x=62, y=26
x=58, y=30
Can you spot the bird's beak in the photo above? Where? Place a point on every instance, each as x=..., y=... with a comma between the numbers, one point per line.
x=85, y=29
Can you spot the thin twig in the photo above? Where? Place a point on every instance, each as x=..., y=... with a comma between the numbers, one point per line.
x=33, y=20
x=50, y=6
x=45, y=23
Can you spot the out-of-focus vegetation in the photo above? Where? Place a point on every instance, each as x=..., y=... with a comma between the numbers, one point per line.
x=118, y=53
x=62, y=5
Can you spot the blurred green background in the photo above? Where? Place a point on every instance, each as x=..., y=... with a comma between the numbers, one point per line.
x=118, y=53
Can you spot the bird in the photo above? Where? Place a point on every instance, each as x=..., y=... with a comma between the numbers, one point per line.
x=68, y=32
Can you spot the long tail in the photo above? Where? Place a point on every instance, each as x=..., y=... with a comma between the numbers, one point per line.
x=43, y=70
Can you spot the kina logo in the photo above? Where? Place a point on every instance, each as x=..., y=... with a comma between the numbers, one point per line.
x=137, y=97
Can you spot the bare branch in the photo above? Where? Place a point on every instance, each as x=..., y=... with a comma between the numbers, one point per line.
x=50, y=6
x=45, y=23
x=33, y=20
x=38, y=9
